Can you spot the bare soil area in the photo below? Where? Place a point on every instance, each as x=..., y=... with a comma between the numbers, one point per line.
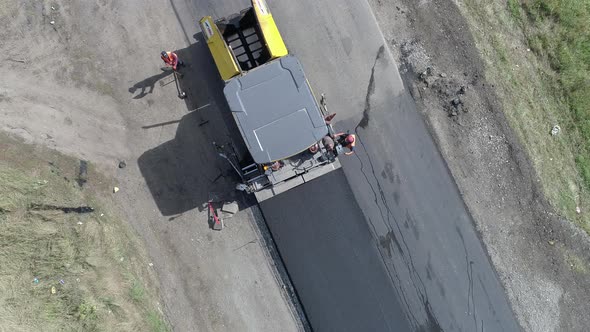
x=84, y=78
x=541, y=258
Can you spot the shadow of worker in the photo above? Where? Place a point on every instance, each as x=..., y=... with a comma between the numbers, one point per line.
x=149, y=83
x=181, y=173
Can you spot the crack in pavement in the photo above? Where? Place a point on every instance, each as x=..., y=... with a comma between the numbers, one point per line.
x=364, y=122
x=370, y=91
x=388, y=215
x=470, y=294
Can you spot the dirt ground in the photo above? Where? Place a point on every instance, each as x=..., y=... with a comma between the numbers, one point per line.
x=542, y=259
x=84, y=77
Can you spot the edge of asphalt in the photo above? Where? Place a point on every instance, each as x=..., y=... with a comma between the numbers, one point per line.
x=278, y=268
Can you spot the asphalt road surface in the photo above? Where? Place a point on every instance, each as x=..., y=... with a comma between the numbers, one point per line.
x=389, y=245
x=330, y=254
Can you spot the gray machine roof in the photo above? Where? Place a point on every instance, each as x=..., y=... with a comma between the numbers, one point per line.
x=275, y=110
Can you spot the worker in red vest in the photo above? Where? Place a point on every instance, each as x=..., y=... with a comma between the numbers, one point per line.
x=171, y=60
x=346, y=140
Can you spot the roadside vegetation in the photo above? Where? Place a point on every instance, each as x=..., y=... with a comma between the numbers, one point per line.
x=67, y=271
x=537, y=55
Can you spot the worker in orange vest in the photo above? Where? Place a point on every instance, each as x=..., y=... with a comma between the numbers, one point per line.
x=171, y=60
x=346, y=140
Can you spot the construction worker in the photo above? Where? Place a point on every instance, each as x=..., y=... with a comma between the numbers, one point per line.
x=346, y=140
x=328, y=143
x=171, y=60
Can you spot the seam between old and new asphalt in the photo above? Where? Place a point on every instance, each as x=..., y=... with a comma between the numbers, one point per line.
x=279, y=270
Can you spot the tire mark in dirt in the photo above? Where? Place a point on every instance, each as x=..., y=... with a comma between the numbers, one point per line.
x=186, y=38
x=387, y=216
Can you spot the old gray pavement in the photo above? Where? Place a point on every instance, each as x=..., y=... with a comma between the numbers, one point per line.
x=429, y=254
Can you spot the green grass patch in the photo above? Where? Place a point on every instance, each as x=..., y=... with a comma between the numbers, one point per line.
x=62, y=272
x=499, y=48
x=156, y=323
x=575, y=262
x=86, y=314
x=560, y=31
x=137, y=292
x=537, y=55
x=514, y=9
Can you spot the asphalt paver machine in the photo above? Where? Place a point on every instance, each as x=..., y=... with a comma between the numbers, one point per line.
x=280, y=120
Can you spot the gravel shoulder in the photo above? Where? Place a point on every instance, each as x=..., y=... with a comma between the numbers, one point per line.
x=541, y=258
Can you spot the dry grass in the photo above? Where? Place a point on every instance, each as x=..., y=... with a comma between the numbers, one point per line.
x=536, y=96
x=63, y=272
x=559, y=31
x=576, y=263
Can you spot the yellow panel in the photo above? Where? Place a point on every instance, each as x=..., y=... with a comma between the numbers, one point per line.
x=222, y=55
x=274, y=42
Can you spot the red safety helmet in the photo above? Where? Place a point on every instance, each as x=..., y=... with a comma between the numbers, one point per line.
x=349, y=139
